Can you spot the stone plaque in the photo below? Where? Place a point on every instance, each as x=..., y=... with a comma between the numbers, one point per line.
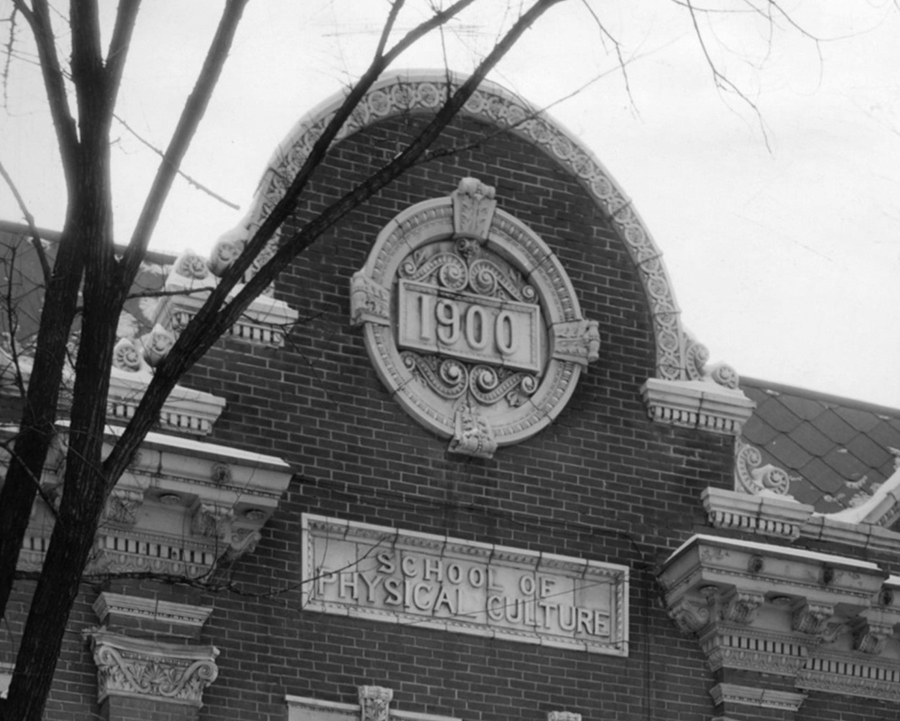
x=385, y=574
x=471, y=321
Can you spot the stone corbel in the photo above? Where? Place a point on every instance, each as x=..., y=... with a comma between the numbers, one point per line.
x=577, y=341
x=872, y=630
x=811, y=618
x=375, y=703
x=728, y=695
x=691, y=614
x=122, y=506
x=151, y=670
x=740, y=607
x=241, y=542
x=212, y=520
x=697, y=404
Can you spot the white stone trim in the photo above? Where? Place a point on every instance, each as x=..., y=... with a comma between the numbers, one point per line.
x=732, y=693
x=703, y=405
x=265, y=321
x=140, y=668
x=474, y=425
x=304, y=708
x=402, y=92
x=774, y=515
x=770, y=515
x=185, y=410
x=824, y=620
x=110, y=605
x=223, y=495
x=575, y=584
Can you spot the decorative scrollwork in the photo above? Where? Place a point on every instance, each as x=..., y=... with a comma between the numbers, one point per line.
x=126, y=356
x=446, y=377
x=491, y=385
x=448, y=268
x=166, y=672
x=754, y=478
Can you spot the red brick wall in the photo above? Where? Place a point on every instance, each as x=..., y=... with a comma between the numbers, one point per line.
x=601, y=482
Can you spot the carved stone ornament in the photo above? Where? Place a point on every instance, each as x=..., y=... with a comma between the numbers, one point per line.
x=122, y=506
x=751, y=476
x=563, y=716
x=140, y=668
x=397, y=95
x=212, y=520
x=471, y=321
x=375, y=703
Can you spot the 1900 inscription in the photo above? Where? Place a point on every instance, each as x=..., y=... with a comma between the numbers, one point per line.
x=469, y=327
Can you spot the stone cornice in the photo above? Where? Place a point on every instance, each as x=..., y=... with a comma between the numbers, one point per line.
x=139, y=668
x=779, y=516
x=311, y=709
x=767, y=514
x=114, y=606
x=222, y=495
x=824, y=620
x=700, y=404
x=730, y=693
x=266, y=321
x=185, y=410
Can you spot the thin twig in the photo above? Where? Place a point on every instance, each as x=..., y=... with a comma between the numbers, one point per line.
x=29, y=219
x=191, y=181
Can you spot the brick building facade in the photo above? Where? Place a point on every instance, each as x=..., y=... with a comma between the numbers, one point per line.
x=413, y=487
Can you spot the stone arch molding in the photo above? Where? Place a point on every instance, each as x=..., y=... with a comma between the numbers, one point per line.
x=424, y=91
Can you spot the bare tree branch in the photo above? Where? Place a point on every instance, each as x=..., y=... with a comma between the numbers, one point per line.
x=209, y=324
x=29, y=219
x=191, y=181
x=191, y=115
x=54, y=83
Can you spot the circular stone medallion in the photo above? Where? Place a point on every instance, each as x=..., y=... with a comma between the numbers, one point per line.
x=471, y=321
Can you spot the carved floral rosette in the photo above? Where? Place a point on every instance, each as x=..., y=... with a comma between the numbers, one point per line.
x=153, y=670
x=471, y=321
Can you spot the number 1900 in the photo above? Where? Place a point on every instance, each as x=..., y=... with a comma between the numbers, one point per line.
x=467, y=326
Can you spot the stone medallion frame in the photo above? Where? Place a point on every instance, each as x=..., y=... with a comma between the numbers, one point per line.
x=491, y=400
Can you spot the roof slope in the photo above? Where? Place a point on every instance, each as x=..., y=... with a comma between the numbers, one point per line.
x=837, y=451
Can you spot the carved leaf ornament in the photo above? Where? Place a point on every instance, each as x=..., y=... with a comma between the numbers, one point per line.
x=471, y=321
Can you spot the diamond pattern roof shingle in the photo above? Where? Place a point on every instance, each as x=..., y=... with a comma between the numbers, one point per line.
x=837, y=450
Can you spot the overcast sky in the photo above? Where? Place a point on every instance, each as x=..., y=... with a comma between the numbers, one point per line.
x=780, y=230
